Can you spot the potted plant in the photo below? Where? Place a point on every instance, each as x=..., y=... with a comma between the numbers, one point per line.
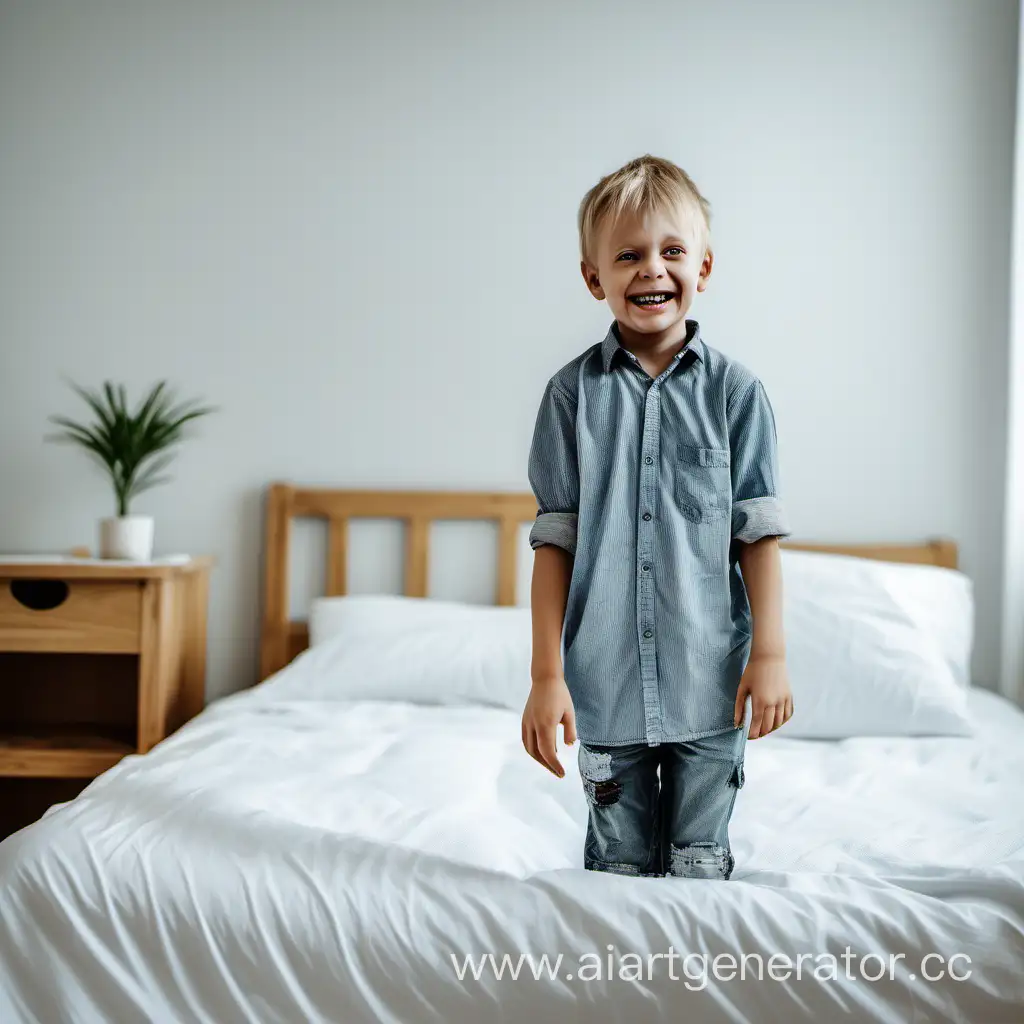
x=135, y=447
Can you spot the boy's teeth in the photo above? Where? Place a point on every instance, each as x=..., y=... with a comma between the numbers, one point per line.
x=648, y=300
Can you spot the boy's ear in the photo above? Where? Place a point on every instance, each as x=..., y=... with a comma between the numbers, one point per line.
x=593, y=281
x=705, y=270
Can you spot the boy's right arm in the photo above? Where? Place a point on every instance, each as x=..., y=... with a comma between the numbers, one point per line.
x=549, y=703
x=554, y=477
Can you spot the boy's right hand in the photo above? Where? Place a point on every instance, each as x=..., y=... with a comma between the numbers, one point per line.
x=548, y=706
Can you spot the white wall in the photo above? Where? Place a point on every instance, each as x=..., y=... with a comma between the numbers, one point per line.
x=352, y=226
x=1011, y=681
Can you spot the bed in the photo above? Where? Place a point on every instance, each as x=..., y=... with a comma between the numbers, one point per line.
x=285, y=857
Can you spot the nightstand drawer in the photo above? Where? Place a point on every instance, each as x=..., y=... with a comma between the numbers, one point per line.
x=70, y=615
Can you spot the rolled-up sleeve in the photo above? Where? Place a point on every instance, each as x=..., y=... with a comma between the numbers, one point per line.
x=554, y=471
x=757, y=509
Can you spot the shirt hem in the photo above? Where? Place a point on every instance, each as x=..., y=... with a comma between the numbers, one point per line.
x=681, y=738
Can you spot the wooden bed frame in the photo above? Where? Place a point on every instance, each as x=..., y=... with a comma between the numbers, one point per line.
x=282, y=638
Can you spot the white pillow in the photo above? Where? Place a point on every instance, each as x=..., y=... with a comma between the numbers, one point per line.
x=875, y=648
x=426, y=651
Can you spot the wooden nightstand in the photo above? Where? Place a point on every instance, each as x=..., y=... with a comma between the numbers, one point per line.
x=97, y=660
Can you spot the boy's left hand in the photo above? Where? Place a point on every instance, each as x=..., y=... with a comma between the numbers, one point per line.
x=771, y=700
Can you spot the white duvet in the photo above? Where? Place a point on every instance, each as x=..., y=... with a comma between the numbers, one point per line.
x=296, y=860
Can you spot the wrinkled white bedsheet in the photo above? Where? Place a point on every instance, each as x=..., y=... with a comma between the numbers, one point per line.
x=291, y=860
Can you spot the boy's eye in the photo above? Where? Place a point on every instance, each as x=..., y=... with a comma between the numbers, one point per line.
x=674, y=250
x=627, y=255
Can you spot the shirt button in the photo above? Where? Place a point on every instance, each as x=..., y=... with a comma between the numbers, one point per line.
x=648, y=634
x=647, y=517
x=649, y=460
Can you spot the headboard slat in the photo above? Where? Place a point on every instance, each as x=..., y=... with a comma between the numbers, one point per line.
x=508, y=536
x=274, y=637
x=337, y=557
x=417, y=555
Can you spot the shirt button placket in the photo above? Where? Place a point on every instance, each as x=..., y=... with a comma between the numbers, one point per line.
x=647, y=496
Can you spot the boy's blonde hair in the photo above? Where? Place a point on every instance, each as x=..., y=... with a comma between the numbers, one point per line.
x=644, y=185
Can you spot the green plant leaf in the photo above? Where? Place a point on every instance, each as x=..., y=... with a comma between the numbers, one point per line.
x=150, y=475
x=91, y=440
x=153, y=409
x=110, y=394
x=147, y=483
x=95, y=402
x=168, y=432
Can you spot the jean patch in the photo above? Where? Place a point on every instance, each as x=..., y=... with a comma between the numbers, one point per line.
x=603, y=794
x=596, y=768
x=595, y=765
x=701, y=860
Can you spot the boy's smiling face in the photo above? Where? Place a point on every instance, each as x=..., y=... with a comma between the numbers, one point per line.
x=649, y=269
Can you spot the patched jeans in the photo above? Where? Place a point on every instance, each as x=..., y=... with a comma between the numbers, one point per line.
x=664, y=809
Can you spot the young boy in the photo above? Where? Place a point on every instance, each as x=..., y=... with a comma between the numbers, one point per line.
x=654, y=467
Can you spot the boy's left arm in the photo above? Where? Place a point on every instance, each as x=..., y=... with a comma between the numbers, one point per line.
x=765, y=677
x=758, y=521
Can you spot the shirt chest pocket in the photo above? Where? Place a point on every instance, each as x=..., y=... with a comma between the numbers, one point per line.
x=703, y=483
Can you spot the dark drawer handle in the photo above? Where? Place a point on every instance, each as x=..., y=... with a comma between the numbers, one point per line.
x=40, y=595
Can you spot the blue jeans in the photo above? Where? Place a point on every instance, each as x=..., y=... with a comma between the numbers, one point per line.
x=664, y=809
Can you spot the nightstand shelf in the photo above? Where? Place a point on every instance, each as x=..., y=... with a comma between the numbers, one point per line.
x=98, y=660
x=65, y=752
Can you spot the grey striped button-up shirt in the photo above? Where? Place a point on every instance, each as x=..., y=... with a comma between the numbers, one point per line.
x=653, y=485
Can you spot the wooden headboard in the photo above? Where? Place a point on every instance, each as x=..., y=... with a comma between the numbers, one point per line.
x=282, y=638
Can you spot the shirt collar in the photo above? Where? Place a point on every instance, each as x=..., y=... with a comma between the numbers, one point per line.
x=610, y=346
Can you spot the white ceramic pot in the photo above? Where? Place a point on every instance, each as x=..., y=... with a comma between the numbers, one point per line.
x=128, y=537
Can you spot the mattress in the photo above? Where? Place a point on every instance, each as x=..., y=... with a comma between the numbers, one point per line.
x=299, y=860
